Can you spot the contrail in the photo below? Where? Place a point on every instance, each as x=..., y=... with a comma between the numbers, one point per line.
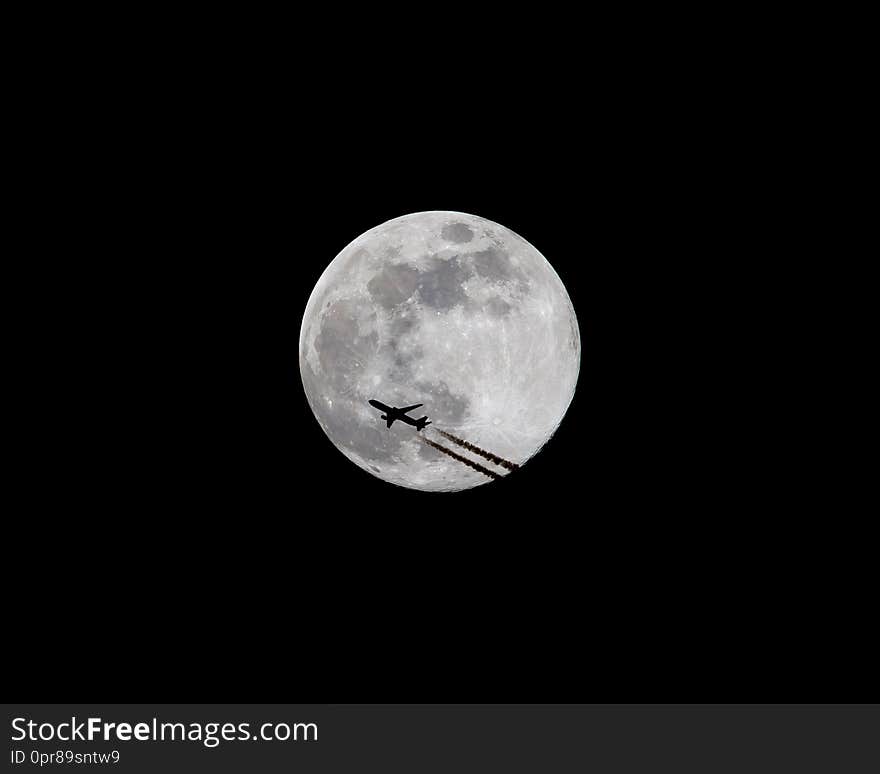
x=465, y=460
x=477, y=450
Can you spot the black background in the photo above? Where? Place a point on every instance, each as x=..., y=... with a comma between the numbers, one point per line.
x=190, y=533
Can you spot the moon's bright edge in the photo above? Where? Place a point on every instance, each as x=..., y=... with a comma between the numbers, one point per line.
x=452, y=311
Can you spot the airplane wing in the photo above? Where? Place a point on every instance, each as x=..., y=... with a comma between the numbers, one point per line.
x=378, y=405
x=410, y=408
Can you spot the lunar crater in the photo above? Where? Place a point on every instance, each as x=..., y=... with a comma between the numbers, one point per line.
x=441, y=286
x=447, y=406
x=393, y=285
x=492, y=263
x=457, y=232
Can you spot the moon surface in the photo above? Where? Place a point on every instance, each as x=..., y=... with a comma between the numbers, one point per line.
x=452, y=311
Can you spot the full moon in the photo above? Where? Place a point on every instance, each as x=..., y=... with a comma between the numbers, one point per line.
x=451, y=311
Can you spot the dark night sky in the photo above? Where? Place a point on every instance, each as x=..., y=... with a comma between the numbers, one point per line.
x=238, y=550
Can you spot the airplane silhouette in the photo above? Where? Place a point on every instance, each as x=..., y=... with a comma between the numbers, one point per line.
x=393, y=413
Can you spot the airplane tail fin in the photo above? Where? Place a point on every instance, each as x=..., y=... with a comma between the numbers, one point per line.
x=420, y=423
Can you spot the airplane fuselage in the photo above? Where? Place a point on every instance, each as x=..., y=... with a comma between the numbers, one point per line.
x=392, y=414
